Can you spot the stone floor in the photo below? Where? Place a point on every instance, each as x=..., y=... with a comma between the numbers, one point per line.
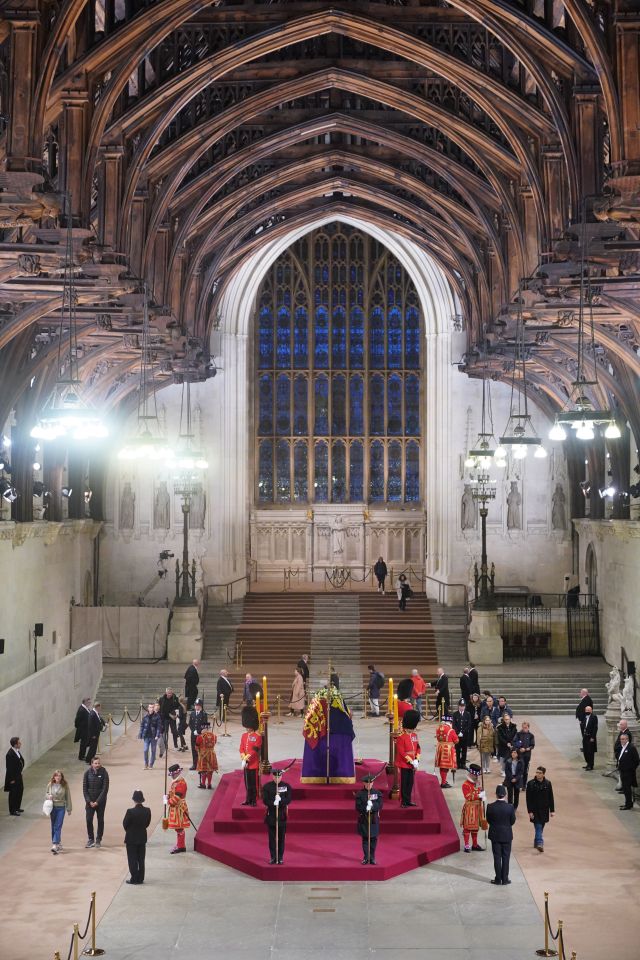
x=445, y=911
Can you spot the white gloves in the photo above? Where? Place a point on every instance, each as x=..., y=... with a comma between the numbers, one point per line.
x=244, y=763
x=415, y=763
x=483, y=795
x=369, y=806
x=276, y=802
x=165, y=799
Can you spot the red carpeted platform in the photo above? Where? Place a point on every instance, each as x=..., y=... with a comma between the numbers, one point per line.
x=322, y=843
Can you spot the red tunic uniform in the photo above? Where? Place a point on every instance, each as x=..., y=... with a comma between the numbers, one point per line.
x=250, y=748
x=471, y=812
x=178, y=811
x=207, y=760
x=445, y=748
x=403, y=706
x=407, y=749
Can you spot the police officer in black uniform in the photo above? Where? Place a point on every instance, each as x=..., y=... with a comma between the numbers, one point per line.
x=276, y=796
x=198, y=719
x=369, y=805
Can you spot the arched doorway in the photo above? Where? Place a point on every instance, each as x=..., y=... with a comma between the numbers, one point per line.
x=591, y=572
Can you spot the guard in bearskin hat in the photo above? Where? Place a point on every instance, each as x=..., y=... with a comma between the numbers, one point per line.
x=405, y=692
x=408, y=756
x=250, y=750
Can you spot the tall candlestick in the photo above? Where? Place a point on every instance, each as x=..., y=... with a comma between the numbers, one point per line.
x=390, y=694
x=258, y=711
x=396, y=719
x=264, y=691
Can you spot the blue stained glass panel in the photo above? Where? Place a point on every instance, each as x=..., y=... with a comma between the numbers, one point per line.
x=339, y=406
x=356, y=406
x=266, y=337
x=412, y=405
x=321, y=425
x=376, y=471
x=412, y=339
x=283, y=405
x=338, y=472
x=339, y=339
x=356, y=344
x=394, y=483
x=376, y=338
x=394, y=339
x=283, y=478
x=265, y=472
x=321, y=473
x=283, y=338
x=321, y=344
x=356, y=482
x=412, y=472
x=376, y=406
x=300, y=339
x=300, y=420
x=394, y=405
x=265, y=402
x=300, y=471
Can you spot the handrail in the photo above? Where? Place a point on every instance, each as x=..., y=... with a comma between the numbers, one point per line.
x=534, y=598
x=444, y=585
x=624, y=670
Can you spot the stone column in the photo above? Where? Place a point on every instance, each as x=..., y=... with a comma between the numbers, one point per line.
x=23, y=41
x=555, y=188
x=138, y=225
x=110, y=195
x=73, y=141
x=233, y=454
x=627, y=25
x=160, y=251
x=587, y=128
x=437, y=434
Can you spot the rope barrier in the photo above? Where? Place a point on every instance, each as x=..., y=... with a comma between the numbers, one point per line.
x=76, y=936
x=548, y=951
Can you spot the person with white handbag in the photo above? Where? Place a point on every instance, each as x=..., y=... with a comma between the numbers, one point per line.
x=56, y=804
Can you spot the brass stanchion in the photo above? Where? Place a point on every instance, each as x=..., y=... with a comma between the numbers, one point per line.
x=391, y=762
x=56, y=955
x=76, y=940
x=546, y=952
x=109, y=719
x=124, y=717
x=224, y=716
x=265, y=766
x=93, y=951
x=279, y=702
x=364, y=700
x=395, y=789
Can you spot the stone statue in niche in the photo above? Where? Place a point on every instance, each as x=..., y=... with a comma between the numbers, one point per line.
x=613, y=686
x=162, y=507
x=625, y=698
x=514, y=504
x=127, y=507
x=197, y=508
x=468, y=512
x=558, y=510
x=337, y=537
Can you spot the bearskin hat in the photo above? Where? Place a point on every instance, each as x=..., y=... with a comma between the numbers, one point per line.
x=250, y=718
x=411, y=720
x=405, y=689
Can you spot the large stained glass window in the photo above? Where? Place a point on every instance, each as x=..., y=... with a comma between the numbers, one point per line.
x=338, y=375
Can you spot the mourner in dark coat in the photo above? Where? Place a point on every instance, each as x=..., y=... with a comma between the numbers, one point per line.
x=465, y=686
x=585, y=701
x=135, y=823
x=441, y=685
x=303, y=667
x=462, y=723
x=95, y=727
x=506, y=733
x=197, y=721
x=475, y=680
x=369, y=805
x=191, y=681
x=627, y=763
x=13, y=784
x=81, y=723
x=501, y=816
x=224, y=689
x=540, y=805
x=276, y=796
x=589, y=730
x=514, y=777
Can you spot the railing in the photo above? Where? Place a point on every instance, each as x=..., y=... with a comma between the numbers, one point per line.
x=628, y=669
x=444, y=587
x=526, y=631
x=523, y=597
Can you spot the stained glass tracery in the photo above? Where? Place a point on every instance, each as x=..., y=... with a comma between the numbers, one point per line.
x=338, y=385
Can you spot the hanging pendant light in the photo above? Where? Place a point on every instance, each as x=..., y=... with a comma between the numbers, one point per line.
x=148, y=442
x=186, y=458
x=484, y=453
x=66, y=413
x=519, y=433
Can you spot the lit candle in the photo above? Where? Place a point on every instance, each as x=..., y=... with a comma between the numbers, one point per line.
x=390, y=694
x=264, y=690
x=396, y=719
x=258, y=703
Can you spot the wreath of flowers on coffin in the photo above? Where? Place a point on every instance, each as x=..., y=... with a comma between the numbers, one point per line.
x=315, y=719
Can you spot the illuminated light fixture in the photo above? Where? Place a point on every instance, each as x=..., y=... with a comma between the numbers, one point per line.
x=66, y=492
x=519, y=433
x=584, y=431
x=186, y=458
x=607, y=492
x=540, y=453
x=36, y=465
x=483, y=455
x=66, y=414
x=9, y=493
x=88, y=493
x=585, y=486
x=147, y=443
x=557, y=432
x=613, y=431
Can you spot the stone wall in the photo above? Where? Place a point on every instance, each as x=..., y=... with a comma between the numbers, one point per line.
x=42, y=566
x=609, y=556
x=41, y=709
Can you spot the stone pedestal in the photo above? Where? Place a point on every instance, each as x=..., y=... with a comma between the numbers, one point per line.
x=485, y=642
x=184, y=642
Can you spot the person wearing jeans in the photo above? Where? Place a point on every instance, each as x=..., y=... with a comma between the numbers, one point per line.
x=540, y=805
x=95, y=787
x=150, y=729
x=60, y=795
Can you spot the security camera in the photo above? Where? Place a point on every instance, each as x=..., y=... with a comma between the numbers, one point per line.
x=166, y=555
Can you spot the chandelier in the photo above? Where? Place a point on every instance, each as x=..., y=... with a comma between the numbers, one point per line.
x=484, y=452
x=147, y=443
x=186, y=458
x=579, y=413
x=519, y=433
x=66, y=413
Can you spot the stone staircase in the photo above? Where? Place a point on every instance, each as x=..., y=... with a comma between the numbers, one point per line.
x=335, y=639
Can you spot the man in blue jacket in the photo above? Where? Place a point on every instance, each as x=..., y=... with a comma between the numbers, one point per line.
x=501, y=817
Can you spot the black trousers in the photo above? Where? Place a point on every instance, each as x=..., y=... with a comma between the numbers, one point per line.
x=170, y=724
x=194, y=749
x=251, y=784
x=589, y=751
x=15, y=795
x=92, y=748
x=277, y=854
x=82, y=749
x=369, y=847
x=501, y=857
x=99, y=812
x=513, y=794
x=626, y=782
x=407, y=776
x=461, y=754
x=135, y=856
